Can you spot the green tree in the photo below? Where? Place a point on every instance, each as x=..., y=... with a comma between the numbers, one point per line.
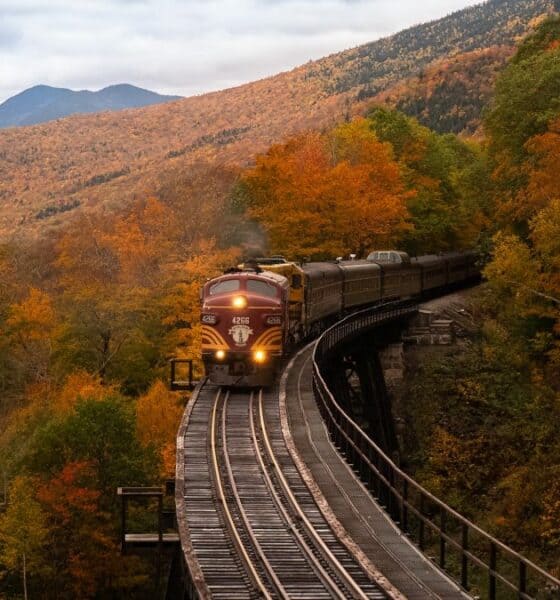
x=101, y=433
x=527, y=99
x=447, y=207
x=527, y=93
x=23, y=530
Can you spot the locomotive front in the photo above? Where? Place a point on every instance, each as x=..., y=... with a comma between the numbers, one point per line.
x=244, y=314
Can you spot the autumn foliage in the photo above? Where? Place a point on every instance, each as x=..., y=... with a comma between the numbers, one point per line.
x=157, y=416
x=526, y=265
x=89, y=318
x=91, y=313
x=310, y=192
x=405, y=185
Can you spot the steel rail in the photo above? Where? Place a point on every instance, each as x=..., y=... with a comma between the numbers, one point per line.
x=279, y=588
x=259, y=584
x=314, y=561
x=324, y=549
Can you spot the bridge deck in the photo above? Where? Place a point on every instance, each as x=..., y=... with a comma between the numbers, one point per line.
x=362, y=518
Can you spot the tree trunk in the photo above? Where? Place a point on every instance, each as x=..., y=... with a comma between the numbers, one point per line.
x=24, y=577
x=105, y=354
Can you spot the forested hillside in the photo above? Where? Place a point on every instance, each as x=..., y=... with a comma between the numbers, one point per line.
x=450, y=95
x=50, y=172
x=89, y=318
x=372, y=66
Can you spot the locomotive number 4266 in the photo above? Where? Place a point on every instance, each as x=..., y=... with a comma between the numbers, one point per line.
x=240, y=320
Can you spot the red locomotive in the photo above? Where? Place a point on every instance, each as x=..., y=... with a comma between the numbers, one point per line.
x=243, y=333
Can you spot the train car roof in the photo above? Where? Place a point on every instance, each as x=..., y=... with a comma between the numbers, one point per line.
x=317, y=268
x=388, y=257
x=359, y=264
x=428, y=259
x=457, y=256
x=432, y=258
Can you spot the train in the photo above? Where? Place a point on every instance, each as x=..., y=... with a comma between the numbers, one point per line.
x=255, y=314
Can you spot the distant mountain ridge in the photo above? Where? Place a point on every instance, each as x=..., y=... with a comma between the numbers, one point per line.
x=44, y=103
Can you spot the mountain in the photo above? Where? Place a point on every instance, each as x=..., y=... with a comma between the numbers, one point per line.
x=51, y=171
x=44, y=103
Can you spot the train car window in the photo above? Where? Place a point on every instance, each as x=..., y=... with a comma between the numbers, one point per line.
x=261, y=288
x=224, y=287
x=296, y=282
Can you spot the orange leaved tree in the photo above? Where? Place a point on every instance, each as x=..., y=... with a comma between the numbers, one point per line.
x=322, y=195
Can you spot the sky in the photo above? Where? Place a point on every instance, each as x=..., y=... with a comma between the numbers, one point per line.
x=186, y=47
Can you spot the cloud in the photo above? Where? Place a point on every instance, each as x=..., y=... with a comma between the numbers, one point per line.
x=9, y=36
x=186, y=46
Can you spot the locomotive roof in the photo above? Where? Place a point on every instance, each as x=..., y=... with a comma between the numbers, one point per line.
x=271, y=260
x=275, y=278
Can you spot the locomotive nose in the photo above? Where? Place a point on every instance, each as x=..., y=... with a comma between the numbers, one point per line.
x=242, y=319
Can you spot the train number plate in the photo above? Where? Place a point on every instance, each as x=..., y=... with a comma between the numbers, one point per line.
x=240, y=320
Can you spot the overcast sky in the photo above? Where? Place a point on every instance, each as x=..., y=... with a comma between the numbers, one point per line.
x=186, y=47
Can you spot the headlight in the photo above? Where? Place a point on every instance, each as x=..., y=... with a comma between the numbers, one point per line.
x=239, y=302
x=273, y=320
x=259, y=356
x=220, y=354
x=209, y=319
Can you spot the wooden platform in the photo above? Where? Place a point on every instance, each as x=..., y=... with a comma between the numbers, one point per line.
x=364, y=520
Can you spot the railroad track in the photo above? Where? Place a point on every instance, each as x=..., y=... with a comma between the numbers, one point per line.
x=254, y=526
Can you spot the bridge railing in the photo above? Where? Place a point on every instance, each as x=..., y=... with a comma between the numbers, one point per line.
x=465, y=551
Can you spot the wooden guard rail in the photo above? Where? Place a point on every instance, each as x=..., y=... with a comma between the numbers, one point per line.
x=461, y=545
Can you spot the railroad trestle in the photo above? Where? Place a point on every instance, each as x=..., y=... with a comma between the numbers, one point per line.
x=461, y=547
x=254, y=524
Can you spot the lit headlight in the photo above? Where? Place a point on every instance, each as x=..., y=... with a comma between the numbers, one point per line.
x=259, y=356
x=239, y=302
x=220, y=354
x=209, y=319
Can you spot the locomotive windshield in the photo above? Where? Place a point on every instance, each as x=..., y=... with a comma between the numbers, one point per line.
x=224, y=287
x=261, y=288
